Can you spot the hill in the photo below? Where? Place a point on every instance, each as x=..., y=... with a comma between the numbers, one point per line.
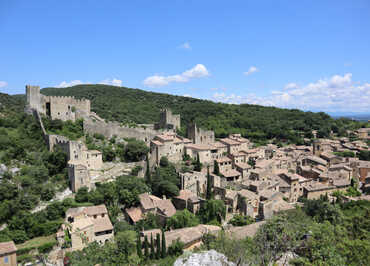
x=258, y=123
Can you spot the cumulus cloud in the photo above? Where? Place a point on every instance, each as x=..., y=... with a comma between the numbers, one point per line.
x=65, y=84
x=185, y=46
x=335, y=94
x=113, y=82
x=251, y=70
x=198, y=71
x=3, y=84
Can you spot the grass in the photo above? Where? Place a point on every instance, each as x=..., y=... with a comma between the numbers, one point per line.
x=36, y=242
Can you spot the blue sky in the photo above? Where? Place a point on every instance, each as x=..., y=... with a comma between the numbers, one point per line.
x=311, y=55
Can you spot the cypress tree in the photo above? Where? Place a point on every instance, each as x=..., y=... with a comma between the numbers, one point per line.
x=138, y=247
x=209, y=185
x=198, y=165
x=152, y=252
x=146, y=247
x=148, y=176
x=158, y=243
x=163, y=245
x=216, y=169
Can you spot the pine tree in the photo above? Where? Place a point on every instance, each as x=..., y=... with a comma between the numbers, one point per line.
x=216, y=169
x=158, y=243
x=148, y=177
x=152, y=252
x=138, y=247
x=146, y=247
x=163, y=245
x=209, y=185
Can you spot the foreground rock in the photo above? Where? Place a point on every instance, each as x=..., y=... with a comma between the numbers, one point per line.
x=206, y=258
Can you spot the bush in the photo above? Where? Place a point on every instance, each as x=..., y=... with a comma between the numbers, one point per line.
x=241, y=220
x=47, y=247
x=176, y=248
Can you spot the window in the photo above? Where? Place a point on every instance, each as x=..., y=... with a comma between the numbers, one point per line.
x=6, y=259
x=95, y=216
x=102, y=215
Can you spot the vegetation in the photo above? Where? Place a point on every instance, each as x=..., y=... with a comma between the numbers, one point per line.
x=319, y=234
x=241, y=220
x=258, y=123
x=165, y=180
x=182, y=219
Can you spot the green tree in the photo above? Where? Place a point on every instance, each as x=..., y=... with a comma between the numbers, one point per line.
x=241, y=220
x=216, y=169
x=164, y=253
x=209, y=185
x=198, y=165
x=135, y=150
x=152, y=252
x=139, y=247
x=146, y=247
x=82, y=195
x=158, y=247
x=213, y=210
x=182, y=219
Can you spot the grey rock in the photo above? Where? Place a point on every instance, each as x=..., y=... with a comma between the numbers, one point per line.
x=206, y=258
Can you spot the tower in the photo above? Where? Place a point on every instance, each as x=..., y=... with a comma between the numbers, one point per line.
x=33, y=98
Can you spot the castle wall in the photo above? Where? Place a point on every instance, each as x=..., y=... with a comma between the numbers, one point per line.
x=78, y=176
x=113, y=128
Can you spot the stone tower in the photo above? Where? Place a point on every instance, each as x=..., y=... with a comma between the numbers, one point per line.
x=200, y=136
x=167, y=120
x=34, y=100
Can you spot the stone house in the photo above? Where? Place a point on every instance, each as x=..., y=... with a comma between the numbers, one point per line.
x=313, y=161
x=187, y=200
x=169, y=145
x=331, y=158
x=363, y=170
x=248, y=203
x=291, y=185
x=314, y=190
x=86, y=225
x=363, y=133
x=8, y=254
x=233, y=146
x=195, y=182
x=163, y=208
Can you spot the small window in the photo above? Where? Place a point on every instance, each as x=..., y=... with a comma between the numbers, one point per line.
x=6, y=259
x=103, y=215
x=95, y=216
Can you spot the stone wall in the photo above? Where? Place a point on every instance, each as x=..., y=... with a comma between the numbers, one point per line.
x=200, y=136
x=110, y=129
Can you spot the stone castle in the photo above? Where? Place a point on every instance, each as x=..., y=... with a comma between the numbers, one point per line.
x=56, y=107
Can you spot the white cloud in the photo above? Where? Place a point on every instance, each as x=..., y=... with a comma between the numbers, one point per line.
x=198, y=71
x=3, y=84
x=335, y=94
x=251, y=70
x=185, y=46
x=113, y=82
x=65, y=84
x=187, y=95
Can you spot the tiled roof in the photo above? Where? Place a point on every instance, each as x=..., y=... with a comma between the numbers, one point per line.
x=134, y=213
x=7, y=247
x=241, y=232
x=166, y=207
x=102, y=224
x=229, y=141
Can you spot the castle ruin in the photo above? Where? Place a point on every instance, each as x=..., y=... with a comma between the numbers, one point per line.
x=56, y=107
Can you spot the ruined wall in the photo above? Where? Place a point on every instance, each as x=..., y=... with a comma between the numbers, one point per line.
x=113, y=128
x=167, y=120
x=200, y=136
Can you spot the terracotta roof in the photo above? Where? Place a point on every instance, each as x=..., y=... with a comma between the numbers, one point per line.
x=185, y=194
x=243, y=165
x=229, y=141
x=156, y=142
x=224, y=159
x=147, y=201
x=230, y=173
x=248, y=194
x=316, y=159
x=7, y=247
x=102, y=224
x=81, y=224
x=94, y=210
x=199, y=147
x=166, y=207
x=218, y=144
x=134, y=213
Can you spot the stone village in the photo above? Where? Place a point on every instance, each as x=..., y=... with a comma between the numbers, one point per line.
x=254, y=181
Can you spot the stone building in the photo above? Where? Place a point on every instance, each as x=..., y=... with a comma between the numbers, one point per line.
x=195, y=182
x=63, y=108
x=8, y=254
x=86, y=225
x=363, y=133
x=167, y=120
x=363, y=170
x=163, y=208
x=187, y=200
x=200, y=136
x=169, y=145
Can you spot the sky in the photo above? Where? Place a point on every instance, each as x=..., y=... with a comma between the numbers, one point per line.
x=310, y=55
